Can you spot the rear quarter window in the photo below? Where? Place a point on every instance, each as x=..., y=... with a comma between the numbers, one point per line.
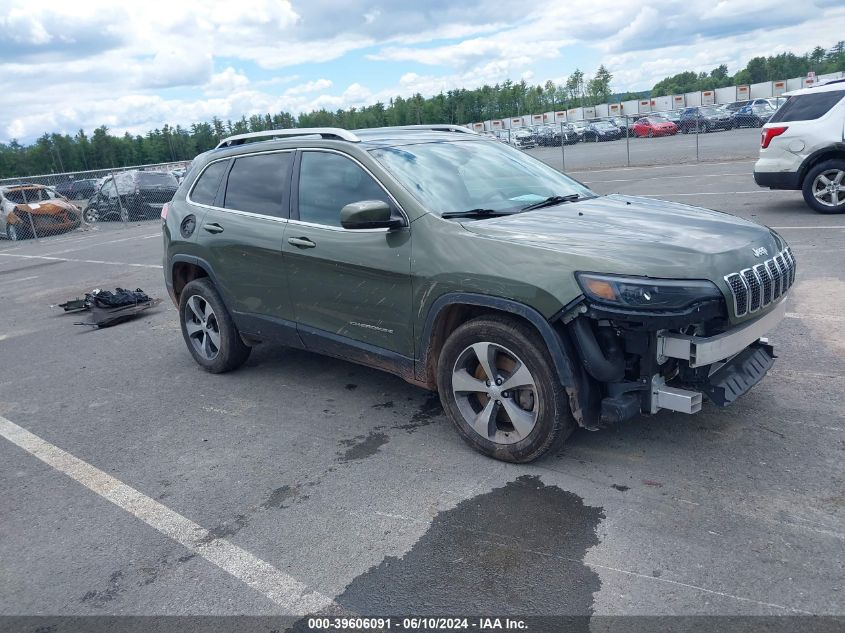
x=205, y=190
x=807, y=107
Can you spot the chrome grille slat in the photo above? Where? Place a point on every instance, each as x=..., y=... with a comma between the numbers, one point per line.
x=766, y=284
x=753, y=289
x=775, y=273
x=757, y=287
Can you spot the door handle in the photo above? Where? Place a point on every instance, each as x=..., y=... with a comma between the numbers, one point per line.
x=301, y=242
x=213, y=227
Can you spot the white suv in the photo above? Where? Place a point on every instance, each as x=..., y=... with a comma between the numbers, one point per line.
x=803, y=147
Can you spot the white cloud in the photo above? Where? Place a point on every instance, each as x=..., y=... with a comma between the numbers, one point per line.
x=227, y=81
x=311, y=86
x=115, y=62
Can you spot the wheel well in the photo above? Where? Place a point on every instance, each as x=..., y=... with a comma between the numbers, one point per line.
x=812, y=161
x=183, y=273
x=447, y=321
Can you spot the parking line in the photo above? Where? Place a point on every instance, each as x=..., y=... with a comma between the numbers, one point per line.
x=80, y=261
x=284, y=590
x=710, y=193
x=595, y=171
x=742, y=175
x=82, y=247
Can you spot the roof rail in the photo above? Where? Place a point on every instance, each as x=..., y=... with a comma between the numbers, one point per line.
x=443, y=127
x=325, y=132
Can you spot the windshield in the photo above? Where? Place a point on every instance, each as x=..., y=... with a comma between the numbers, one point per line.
x=462, y=175
x=710, y=111
x=657, y=119
x=603, y=125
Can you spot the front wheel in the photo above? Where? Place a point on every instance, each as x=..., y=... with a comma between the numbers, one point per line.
x=499, y=388
x=91, y=214
x=824, y=187
x=208, y=329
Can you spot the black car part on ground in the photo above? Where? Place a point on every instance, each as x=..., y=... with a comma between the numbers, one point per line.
x=108, y=308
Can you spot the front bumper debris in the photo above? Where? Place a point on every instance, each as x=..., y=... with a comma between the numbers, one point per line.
x=701, y=351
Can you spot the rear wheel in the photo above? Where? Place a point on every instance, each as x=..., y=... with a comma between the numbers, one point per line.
x=824, y=187
x=208, y=329
x=499, y=388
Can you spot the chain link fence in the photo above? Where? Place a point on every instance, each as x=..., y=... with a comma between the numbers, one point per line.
x=46, y=205
x=726, y=131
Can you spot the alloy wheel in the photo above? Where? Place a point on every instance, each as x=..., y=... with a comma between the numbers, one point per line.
x=829, y=188
x=202, y=327
x=91, y=215
x=495, y=393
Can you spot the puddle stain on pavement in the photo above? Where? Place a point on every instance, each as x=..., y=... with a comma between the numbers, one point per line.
x=516, y=550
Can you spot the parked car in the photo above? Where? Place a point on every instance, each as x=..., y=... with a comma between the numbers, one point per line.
x=81, y=189
x=803, y=147
x=602, y=131
x=626, y=125
x=705, y=119
x=580, y=129
x=654, y=126
x=736, y=105
x=570, y=134
x=674, y=116
x=753, y=115
x=131, y=195
x=523, y=139
x=548, y=136
x=499, y=280
x=31, y=210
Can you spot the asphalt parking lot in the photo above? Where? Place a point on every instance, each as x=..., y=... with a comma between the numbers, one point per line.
x=299, y=481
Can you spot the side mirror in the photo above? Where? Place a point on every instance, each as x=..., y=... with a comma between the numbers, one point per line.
x=368, y=214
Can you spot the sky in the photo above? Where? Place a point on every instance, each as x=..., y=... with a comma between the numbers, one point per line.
x=134, y=66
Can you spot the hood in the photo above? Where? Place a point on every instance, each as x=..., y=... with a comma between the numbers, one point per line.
x=638, y=236
x=48, y=207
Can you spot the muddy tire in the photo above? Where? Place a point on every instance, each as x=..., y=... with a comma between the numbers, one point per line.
x=518, y=413
x=208, y=329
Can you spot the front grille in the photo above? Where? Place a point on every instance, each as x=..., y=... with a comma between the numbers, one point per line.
x=757, y=287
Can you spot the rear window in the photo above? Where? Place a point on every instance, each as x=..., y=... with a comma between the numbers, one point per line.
x=258, y=183
x=160, y=179
x=807, y=107
x=205, y=191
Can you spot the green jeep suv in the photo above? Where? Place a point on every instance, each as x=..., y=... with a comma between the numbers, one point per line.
x=530, y=303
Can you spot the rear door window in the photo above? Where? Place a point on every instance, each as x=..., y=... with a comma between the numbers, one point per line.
x=258, y=183
x=807, y=107
x=205, y=191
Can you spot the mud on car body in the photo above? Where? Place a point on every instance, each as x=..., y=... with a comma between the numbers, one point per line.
x=530, y=303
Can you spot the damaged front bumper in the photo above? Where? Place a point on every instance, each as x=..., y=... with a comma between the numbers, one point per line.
x=634, y=364
x=699, y=351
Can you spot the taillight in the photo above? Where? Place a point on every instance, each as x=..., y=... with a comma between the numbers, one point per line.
x=164, y=211
x=769, y=133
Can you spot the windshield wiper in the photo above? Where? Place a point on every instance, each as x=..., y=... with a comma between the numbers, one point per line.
x=475, y=213
x=552, y=201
